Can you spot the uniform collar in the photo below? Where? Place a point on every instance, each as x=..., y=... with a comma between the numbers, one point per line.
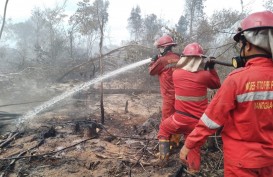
x=260, y=61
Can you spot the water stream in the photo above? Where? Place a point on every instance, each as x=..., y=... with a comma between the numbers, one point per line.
x=32, y=113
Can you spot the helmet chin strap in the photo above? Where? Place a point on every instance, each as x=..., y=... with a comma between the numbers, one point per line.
x=243, y=59
x=258, y=55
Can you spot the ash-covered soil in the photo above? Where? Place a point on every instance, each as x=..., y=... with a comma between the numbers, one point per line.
x=69, y=140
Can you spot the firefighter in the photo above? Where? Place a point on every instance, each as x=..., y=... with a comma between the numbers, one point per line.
x=159, y=66
x=190, y=83
x=243, y=106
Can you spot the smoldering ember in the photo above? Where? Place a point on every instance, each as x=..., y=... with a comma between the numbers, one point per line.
x=74, y=104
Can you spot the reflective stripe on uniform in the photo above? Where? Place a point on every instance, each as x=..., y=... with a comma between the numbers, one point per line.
x=253, y=96
x=209, y=123
x=190, y=98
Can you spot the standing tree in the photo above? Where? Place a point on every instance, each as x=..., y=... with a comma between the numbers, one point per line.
x=152, y=28
x=204, y=33
x=135, y=23
x=194, y=14
x=37, y=22
x=100, y=16
x=242, y=6
x=83, y=22
x=182, y=25
x=224, y=19
x=91, y=19
x=24, y=35
x=54, y=18
x=71, y=32
x=48, y=34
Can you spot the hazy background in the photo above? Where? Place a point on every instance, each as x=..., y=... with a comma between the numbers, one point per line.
x=49, y=46
x=119, y=11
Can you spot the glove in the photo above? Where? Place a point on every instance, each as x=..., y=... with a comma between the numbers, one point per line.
x=210, y=64
x=154, y=58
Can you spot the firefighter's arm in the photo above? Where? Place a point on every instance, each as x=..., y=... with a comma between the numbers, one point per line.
x=196, y=139
x=156, y=67
x=199, y=135
x=213, y=81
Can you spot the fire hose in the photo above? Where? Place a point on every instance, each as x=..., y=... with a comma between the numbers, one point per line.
x=222, y=63
x=174, y=65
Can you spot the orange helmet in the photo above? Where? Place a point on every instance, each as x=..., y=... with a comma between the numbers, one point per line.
x=164, y=41
x=254, y=21
x=193, y=49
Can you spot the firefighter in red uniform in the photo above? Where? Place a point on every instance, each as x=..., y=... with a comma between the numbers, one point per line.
x=159, y=66
x=190, y=83
x=243, y=105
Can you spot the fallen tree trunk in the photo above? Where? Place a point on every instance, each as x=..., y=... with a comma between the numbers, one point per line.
x=125, y=91
x=97, y=58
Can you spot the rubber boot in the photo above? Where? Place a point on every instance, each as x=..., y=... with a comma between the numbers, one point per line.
x=164, y=152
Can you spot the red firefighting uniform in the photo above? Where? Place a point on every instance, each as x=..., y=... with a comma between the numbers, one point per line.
x=244, y=107
x=190, y=103
x=160, y=68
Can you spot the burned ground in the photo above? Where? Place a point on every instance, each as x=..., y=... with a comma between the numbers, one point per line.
x=70, y=141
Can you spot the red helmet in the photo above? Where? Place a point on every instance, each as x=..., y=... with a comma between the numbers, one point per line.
x=165, y=41
x=253, y=21
x=193, y=49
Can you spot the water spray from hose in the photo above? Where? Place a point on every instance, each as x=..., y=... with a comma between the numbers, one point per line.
x=76, y=89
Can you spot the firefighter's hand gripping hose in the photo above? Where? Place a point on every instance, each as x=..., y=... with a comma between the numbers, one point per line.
x=210, y=63
x=212, y=59
x=154, y=58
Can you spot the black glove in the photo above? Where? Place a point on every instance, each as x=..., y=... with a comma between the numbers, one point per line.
x=154, y=58
x=210, y=64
